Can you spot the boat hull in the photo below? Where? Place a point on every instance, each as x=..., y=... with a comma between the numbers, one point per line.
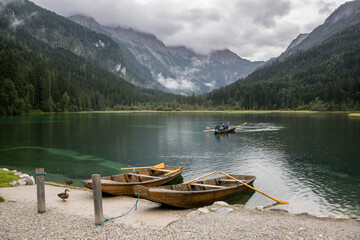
x=196, y=197
x=121, y=185
x=230, y=130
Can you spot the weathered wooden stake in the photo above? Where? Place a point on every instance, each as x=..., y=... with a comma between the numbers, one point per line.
x=96, y=183
x=40, y=185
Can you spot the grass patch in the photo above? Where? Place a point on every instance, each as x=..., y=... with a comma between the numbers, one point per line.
x=6, y=178
x=1, y=199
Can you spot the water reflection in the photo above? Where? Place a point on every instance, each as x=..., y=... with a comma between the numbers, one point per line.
x=221, y=137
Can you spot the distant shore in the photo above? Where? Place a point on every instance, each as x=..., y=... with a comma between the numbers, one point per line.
x=350, y=113
x=222, y=111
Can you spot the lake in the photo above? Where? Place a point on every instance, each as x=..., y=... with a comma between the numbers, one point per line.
x=311, y=160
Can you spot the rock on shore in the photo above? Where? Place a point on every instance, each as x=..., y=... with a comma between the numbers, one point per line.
x=25, y=179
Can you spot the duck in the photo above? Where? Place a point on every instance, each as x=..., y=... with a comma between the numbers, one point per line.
x=64, y=195
x=68, y=181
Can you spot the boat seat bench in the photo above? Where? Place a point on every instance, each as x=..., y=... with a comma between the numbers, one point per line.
x=228, y=180
x=142, y=175
x=207, y=185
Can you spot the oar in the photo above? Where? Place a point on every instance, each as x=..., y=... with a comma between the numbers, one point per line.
x=161, y=165
x=199, y=177
x=279, y=201
x=241, y=124
x=176, y=170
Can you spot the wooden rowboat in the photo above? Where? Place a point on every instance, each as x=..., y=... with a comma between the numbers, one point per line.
x=122, y=184
x=195, y=194
x=230, y=130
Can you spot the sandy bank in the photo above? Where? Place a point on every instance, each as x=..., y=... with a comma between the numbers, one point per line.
x=81, y=203
x=74, y=220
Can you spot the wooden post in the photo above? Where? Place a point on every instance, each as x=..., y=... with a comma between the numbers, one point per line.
x=40, y=185
x=96, y=183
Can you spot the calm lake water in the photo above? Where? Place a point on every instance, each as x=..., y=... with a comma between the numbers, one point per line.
x=309, y=160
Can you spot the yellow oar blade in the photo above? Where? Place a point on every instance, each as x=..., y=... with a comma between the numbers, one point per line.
x=277, y=200
x=176, y=170
x=241, y=124
x=208, y=128
x=161, y=165
x=199, y=177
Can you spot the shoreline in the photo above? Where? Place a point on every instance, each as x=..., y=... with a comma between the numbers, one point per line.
x=75, y=219
x=223, y=111
x=350, y=113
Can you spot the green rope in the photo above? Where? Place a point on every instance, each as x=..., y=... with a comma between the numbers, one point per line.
x=46, y=175
x=105, y=219
x=108, y=219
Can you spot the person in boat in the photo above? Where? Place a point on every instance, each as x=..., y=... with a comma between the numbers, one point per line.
x=227, y=126
x=223, y=126
x=217, y=127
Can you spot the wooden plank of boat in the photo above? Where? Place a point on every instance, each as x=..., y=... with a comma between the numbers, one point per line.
x=196, y=194
x=207, y=185
x=122, y=184
x=230, y=130
x=142, y=175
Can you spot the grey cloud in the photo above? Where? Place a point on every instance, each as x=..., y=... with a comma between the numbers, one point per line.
x=264, y=12
x=325, y=7
x=251, y=28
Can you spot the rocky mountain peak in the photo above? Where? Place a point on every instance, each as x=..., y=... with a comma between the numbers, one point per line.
x=345, y=10
x=344, y=16
x=182, y=51
x=224, y=56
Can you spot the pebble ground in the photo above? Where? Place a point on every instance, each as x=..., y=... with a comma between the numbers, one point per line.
x=21, y=221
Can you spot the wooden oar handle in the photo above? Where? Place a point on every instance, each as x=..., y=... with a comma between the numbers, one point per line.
x=241, y=124
x=277, y=200
x=161, y=165
x=176, y=170
x=200, y=177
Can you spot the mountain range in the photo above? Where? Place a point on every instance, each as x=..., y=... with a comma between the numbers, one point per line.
x=48, y=60
x=319, y=73
x=178, y=69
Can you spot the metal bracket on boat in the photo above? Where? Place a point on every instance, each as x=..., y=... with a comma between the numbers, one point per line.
x=196, y=180
x=134, y=169
x=239, y=181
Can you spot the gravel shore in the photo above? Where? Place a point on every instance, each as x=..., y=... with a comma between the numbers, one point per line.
x=21, y=221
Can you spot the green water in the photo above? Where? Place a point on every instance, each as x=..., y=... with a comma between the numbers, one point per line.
x=309, y=160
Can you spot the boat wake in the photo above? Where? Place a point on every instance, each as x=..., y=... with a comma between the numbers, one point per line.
x=260, y=127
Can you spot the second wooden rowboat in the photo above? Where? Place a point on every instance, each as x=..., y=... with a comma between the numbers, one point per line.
x=122, y=184
x=196, y=194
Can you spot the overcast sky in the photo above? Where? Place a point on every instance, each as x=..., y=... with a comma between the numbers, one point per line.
x=254, y=29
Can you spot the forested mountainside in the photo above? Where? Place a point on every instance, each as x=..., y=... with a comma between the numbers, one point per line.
x=178, y=69
x=326, y=77
x=344, y=16
x=35, y=75
x=60, y=32
x=60, y=66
